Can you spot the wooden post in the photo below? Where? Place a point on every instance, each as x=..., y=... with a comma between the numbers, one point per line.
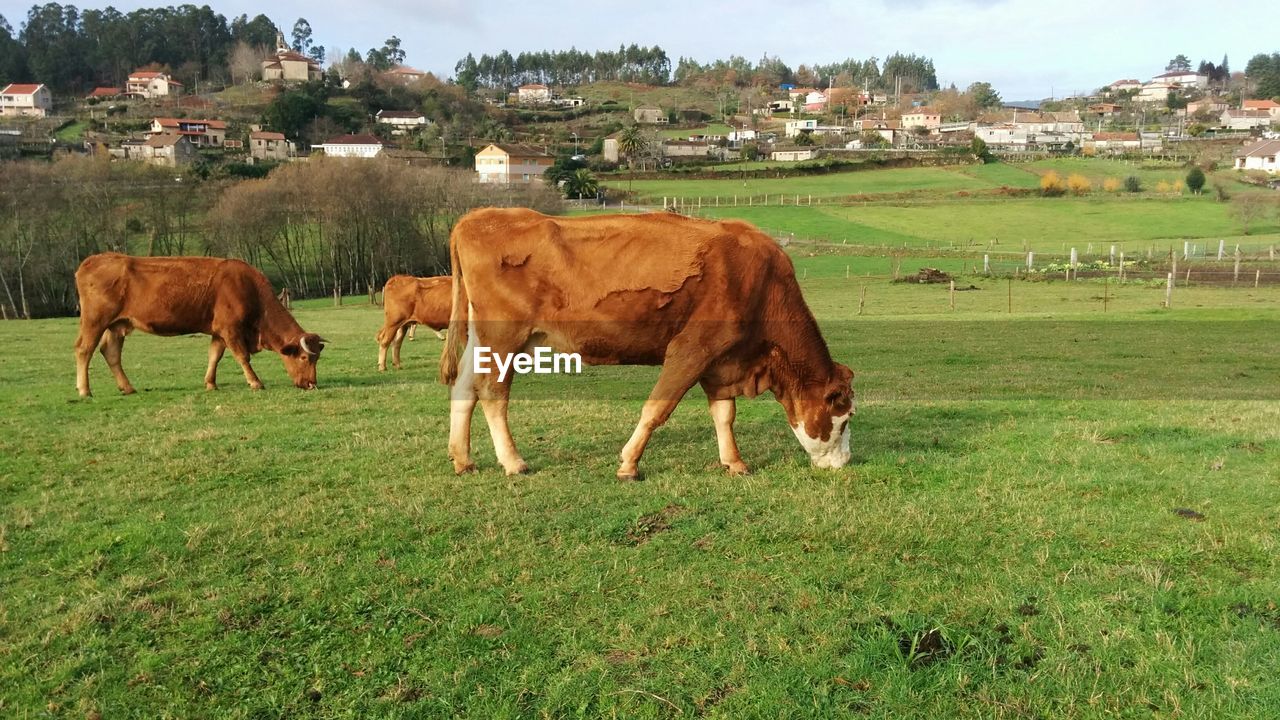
x=897, y=265
x=986, y=264
x=1271, y=252
x=1222, y=248
x=1031, y=256
x=953, y=294
x=1015, y=271
x=862, y=301
x=1186, y=249
x=1168, y=292
x=664, y=202
x=1120, y=268
x=1235, y=276
x=1106, y=291
x=1187, y=282
x=846, y=272
x=1173, y=272
x=1112, y=261
x=372, y=300
x=1257, y=278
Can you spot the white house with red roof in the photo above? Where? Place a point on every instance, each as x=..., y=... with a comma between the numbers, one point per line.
x=404, y=74
x=151, y=84
x=1264, y=155
x=1122, y=85
x=352, y=146
x=1185, y=78
x=25, y=100
x=201, y=133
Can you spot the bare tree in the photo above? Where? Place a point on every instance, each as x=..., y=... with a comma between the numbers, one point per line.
x=1251, y=207
x=244, y=63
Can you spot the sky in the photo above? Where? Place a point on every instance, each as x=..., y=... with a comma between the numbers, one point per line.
x=1028, y=49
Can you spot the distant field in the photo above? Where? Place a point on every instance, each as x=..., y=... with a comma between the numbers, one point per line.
x=1042, y=224
x=1059, y=513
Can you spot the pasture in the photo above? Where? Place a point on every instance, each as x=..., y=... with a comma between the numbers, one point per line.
x=1055, y=512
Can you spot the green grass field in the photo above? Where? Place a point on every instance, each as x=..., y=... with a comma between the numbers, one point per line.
x=1004, y=544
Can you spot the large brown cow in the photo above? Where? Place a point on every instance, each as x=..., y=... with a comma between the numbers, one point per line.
x=406, y=302
x=714, y=303
x=226, y=299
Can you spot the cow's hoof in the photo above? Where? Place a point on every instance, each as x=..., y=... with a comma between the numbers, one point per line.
x=736, y=469
x=127, y=391
x=521, y=469
x=259, y=386
x=630, y=476
x=464, y=468
x=210, y=386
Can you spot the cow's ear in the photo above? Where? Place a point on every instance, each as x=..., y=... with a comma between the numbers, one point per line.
x=291, y=350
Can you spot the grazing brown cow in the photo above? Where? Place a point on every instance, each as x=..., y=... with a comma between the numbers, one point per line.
x=227, y=299
x=407, y=301
x=714, y=303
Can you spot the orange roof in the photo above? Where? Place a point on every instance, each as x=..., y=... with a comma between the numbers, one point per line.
x=533, y=86
x=17, y=89
x=406, y=70
x=105, y=92
x=1259, y=104
x=353, y=140
x=266, y=136
x=145, y=75
x=176, y=122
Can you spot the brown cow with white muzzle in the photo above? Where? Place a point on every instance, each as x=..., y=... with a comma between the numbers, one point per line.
x=408, y=301
x=227, y=299
x=713, y=303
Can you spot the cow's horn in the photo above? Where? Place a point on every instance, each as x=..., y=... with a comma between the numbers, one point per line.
x=303, y=343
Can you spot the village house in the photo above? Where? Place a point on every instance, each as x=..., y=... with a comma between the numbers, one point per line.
x=29, y=100
x=203, y=133
x=921, y=117
x=104, y=93
x=1184, y=78
x=1124, y=85
x=815, y=101
x=1157, y=91
x=650, y=115
x=404, y=74
x=351, y=146
x=1101, y=110
x=533, y=94
x=165, y=149
x=1216, y=107
x=288, y=66
x=508, y=163
x=1002, y=135
x=1119, y=143
x=797, y=127
x=685, y=148
x=148, y=85
x=270, y=146
x=779, y=106
x=1264, y=155
x=1244, y=119
x=1271, y=106
x=793, y=155
x=402, y=121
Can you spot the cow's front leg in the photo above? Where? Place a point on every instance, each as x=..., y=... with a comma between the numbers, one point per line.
x=673, y=382
x=111, y=348
x=723, y=413
x=494, y=398
x=216, y=348
x=240, y=352
x=399, y=342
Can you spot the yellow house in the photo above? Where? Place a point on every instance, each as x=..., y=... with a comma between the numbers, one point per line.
x=506, y=163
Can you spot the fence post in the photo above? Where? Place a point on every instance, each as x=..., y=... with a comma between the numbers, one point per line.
x=846, y=272
x=1168, y=292
x=1257, y=278
x=862, y=301
x=1235, y=276
x=1073, y=266
x=1031, y=256
x=1106, y=291
x=1186, y=249
x=1173, y=271
x=1222, y=248
x=1015, y=272
x=664, y=202
x=986, y=264
x=1120, y=269
x=1112, y=260
x=953, y=294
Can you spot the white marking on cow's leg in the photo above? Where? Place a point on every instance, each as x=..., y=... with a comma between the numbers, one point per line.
x=439, y=334
x=462, y=403
x=413, y=331
x=832, y=452
x=494, y=401
x=723, y=413
x=399, y=341
x=112, y=345
x=216, y=348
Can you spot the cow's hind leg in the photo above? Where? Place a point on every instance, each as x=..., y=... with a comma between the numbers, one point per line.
x=494, y=400
x=216, y=348
x=399, y=341
x=385, y=337
x=723, y=413
x=88, y=339
x=111, y=347
x=462, y=405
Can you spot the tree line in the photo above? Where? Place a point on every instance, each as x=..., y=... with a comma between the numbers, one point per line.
x=313, y=227
x=914, y=73
x=629, y=63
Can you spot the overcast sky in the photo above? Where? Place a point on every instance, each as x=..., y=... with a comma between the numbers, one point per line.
x=1029, y=49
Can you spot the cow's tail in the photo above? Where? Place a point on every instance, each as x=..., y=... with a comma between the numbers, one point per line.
x=456, y=342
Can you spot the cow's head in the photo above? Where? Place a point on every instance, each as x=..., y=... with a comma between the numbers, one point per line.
x=300, y=358
x=820, y=417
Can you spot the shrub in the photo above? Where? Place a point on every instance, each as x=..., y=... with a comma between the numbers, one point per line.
x=1111, y=185
x=1177, y=187
x=1051, y=184
x=1162, y=187
x=1195, y=180
x=1079, y=184
x=1221, y=191
x=1133, y=184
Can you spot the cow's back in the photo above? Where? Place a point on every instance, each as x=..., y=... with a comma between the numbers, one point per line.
x=166, y=295
x=434, y=301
